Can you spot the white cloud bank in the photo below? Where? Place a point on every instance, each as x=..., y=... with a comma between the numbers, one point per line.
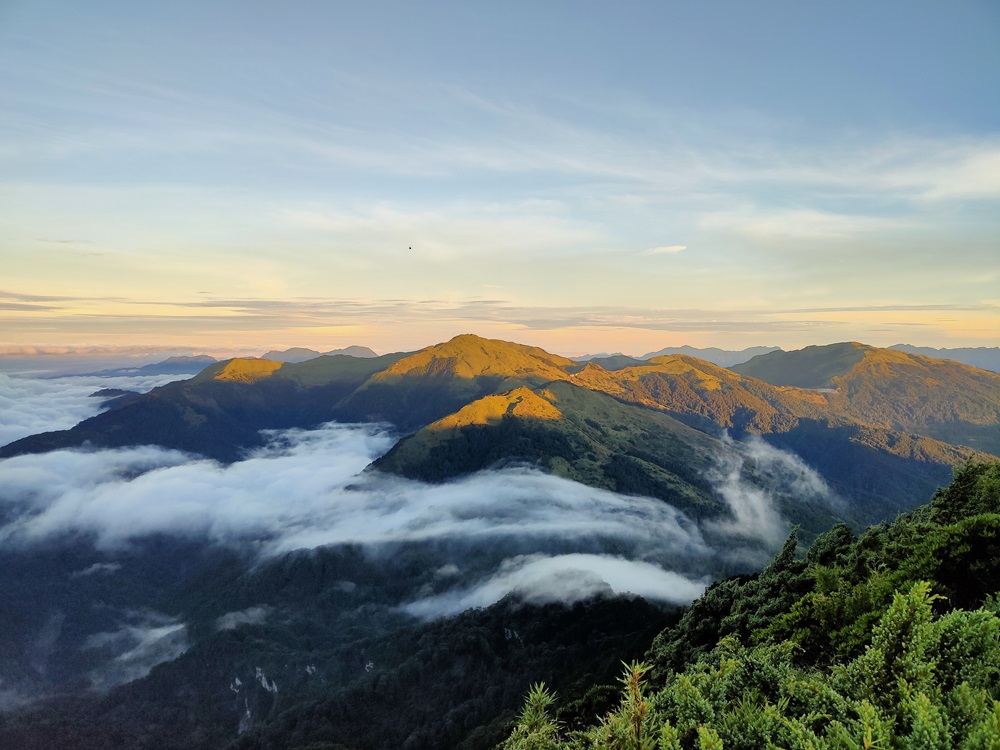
x=32, y=405
x=307, y=490
x=552, y=539
x=539, y=579
x=753, y=511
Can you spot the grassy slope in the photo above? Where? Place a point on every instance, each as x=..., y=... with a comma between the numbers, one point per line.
x=811, y=367
x=573, y=432
x=908, y=392
x=441, y=379
x=878, y=469
x=858, y=436
x=617, y=362
x=704, y=394
x=894, y=390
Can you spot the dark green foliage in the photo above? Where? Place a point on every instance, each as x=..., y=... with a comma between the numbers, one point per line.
x=974, y=490
x=858, y=464
x=954, y=543
x=883, y=647
x=351, y=669
x=733, y=607
x=483, y=446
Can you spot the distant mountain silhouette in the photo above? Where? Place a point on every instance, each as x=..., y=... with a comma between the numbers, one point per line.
x=179, y=365
x=300, y=354
x=985, y=357
x=721, y=357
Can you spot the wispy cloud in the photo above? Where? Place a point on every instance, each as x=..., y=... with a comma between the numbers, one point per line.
x=149, y=639
x=540, y=579
x=115, y=496
x=664, y=250
x=301, y=316
x=767, y=224
x=25, y=307
x=507, y=231
x=754, y=502
x=248, y=616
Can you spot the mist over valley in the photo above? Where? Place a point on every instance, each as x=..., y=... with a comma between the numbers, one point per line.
x=521, y=376
x=551, y=486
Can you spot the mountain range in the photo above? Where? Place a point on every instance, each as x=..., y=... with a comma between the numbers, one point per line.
x=177, y=365
x=301, y=354
x=389, y=632
x=984, y=357
x=721, y=357
x=878, y=425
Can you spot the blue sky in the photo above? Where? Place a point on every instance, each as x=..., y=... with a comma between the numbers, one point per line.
x=581, y=176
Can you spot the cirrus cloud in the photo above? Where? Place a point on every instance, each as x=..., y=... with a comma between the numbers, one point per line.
x=664, y=250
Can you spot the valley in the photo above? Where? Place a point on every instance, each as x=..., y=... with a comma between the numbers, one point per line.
x=276, y=553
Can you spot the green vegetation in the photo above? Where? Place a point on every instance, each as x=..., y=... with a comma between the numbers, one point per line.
x=240, y=370
x=440, y=380
x=887, y=640
x=351, y=670
x=703, y=394
x=890, y=389
x=811, y=367
x=617, y=362
x=220, y=412
x=572, y=432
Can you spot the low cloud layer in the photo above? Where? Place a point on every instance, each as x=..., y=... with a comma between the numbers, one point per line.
x=150, y=639
x=540, y=579
x=307, y=490
x=546, y=537
x=248, y=616
x=32, y=405
x=751, y=479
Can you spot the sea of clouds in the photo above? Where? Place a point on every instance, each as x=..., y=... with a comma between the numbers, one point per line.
x=546, y=538
x=29, y=405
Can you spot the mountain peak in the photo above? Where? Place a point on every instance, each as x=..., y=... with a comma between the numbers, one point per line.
x=241, y=370
x=520, y=402
x=810, y=367
x=470, y=356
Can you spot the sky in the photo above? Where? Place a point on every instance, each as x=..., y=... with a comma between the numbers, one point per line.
x=581, y=176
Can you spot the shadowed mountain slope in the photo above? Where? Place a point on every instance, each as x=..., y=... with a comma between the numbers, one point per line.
x=219, y=413
x=616, y=361
x=589, y=437
x=177, y=365
x=811, y=367
x=983, y=357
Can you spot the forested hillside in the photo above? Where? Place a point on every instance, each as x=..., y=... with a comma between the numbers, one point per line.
x=886, y=640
